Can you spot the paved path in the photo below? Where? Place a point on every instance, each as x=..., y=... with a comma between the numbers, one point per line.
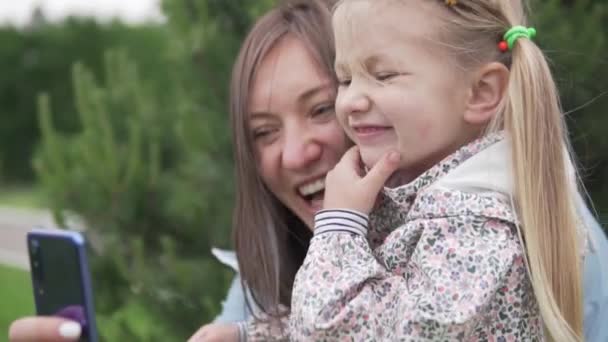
x=14, y=224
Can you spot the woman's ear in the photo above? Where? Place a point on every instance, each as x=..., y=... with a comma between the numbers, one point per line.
x=486, y=94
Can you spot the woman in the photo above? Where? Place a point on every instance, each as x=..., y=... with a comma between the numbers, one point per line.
x=282, y=106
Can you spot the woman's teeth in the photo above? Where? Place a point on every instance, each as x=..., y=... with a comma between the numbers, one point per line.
x=311, y=188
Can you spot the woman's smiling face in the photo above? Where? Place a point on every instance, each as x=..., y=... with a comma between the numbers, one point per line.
x=296, y=135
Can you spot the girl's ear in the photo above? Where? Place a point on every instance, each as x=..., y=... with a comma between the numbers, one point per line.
x=489, y=86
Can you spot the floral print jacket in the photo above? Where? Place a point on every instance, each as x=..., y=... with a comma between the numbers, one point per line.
x=438, y=259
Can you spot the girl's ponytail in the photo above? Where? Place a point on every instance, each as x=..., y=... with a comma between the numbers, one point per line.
x=545, y=189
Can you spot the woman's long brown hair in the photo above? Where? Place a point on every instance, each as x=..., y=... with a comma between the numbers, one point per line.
x=270, y=241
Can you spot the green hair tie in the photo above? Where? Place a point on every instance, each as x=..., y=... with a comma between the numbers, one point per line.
x=514, y=34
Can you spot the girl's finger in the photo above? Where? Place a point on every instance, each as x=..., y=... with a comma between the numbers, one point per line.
x=380, y=173
x=352, y=155
x=349, y=166
x=354, y=161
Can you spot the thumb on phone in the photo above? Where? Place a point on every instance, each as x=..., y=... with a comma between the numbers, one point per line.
x=44, y=329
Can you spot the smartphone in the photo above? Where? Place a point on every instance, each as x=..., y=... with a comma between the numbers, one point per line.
x=61, y=279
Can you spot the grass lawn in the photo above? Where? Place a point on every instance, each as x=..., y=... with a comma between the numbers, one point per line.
x=15, y=297
x=24, y=196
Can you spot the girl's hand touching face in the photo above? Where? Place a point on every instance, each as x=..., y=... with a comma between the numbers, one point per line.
x=348, y=187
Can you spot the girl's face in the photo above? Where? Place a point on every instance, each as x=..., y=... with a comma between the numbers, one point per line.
x=399, y=89
x=296, y=135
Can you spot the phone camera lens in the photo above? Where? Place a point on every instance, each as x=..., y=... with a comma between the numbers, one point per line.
x=36, y=260
x=34, y=244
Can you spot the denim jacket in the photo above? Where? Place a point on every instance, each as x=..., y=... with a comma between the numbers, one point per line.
x=234, y=308
x=596, y=282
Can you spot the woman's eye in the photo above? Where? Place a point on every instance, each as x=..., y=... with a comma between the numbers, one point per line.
x=263, y=133
x=323, y=110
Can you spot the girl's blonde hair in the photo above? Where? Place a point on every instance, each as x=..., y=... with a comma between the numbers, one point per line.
x=544, y=177
x=544, y=182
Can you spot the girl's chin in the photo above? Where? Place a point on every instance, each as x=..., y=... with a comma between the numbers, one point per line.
x=370, y=158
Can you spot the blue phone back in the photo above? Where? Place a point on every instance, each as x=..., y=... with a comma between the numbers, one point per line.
x=61, y=279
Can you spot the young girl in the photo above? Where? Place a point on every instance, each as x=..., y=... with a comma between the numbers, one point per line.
x=475, y=237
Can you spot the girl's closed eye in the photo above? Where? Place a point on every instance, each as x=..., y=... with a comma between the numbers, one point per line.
x=385, y=76
x=343, y=82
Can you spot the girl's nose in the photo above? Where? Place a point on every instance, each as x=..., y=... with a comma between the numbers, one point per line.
x=352, y=100
x=300, y=149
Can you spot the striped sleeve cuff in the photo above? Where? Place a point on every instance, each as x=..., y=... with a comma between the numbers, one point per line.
x=341, y=220
x=242, y=331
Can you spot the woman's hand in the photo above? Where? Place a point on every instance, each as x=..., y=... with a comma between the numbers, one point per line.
x=43, y=329
x=216, y=332
x=346, y=186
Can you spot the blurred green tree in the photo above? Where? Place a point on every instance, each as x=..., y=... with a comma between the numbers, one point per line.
x=39, y=58
x=574, y=36
x=149, y=170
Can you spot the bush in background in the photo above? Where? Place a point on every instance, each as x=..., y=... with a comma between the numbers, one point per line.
x=150, y=172
x=39, y=58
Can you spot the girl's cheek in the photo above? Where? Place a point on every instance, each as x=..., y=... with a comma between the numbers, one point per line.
x=424, y=130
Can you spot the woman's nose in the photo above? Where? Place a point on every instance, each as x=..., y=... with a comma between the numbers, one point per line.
x=300, y=149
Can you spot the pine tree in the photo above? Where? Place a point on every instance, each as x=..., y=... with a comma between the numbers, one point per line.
x=574, y=36
x=150, y=174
